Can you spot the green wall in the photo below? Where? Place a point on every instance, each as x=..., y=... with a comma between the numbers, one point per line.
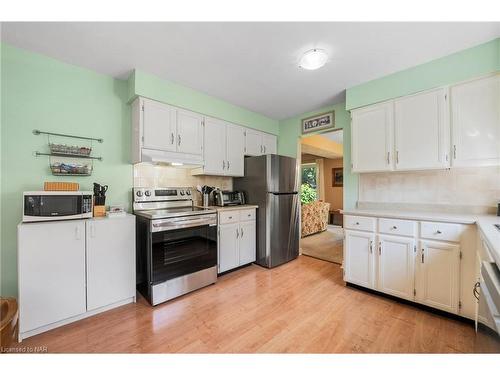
x=290, y=132
x=42, y=93
x=153, y=87
x=460, y=66
x=38, y=92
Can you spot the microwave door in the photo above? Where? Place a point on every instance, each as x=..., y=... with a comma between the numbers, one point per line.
x=60, y=205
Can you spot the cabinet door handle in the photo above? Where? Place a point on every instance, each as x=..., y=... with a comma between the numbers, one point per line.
x=241, y=235
x=397, y=157
x=388, y=157
x=223, y=164
x=371, y=247
x=261, y=149
x=264, y=149
x=438, y=232
x=380, y=248
x=454, y=151
x=422, y=255
x=394, y=227
x=228, y=164
x=475, y=292
x=237, y=233
x=172, y=138
x=178, y=139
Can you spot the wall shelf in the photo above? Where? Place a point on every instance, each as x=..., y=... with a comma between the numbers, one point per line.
x=68, y=155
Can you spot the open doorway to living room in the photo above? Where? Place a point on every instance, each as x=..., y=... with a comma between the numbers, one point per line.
x=321, y=173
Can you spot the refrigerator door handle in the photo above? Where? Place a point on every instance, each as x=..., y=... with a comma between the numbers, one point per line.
x=279, y=193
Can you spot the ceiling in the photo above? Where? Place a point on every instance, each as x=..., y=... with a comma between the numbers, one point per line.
x=252, y=65
x=336, y=136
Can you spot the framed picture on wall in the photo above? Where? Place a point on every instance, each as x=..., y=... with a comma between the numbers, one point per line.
x=318, y=122
x=337, y=177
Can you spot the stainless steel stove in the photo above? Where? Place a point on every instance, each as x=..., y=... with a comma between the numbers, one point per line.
x=176, y=243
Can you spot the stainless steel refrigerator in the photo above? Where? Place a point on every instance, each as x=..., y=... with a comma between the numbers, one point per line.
x=271, y=183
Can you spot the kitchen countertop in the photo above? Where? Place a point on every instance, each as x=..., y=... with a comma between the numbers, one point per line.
x=415, y=215
x=232, y=208
x=484, y=222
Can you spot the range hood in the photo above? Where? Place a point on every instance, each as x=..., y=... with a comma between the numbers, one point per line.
x=171, y=158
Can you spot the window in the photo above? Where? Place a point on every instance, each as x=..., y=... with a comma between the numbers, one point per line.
x=309, y=174
x=309, y=182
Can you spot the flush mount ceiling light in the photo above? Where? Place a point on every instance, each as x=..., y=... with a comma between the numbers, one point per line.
x=313, y=59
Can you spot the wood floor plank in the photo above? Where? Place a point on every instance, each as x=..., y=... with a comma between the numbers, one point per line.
x=300, y=307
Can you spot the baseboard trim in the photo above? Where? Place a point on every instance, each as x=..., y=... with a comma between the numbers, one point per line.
x=414, y=304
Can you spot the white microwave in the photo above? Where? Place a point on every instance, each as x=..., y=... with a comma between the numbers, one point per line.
x=56, y=205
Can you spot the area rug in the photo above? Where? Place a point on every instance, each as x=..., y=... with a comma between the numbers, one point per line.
x=327, y=245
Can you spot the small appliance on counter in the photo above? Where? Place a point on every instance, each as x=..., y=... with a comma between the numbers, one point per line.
x=56, y=205
x=100, y=199
x=228, y=198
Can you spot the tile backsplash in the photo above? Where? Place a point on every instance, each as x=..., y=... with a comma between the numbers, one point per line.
x=167, y=176
x=453, y=187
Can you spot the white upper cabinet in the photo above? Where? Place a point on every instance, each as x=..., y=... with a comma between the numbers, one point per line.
x=475, y=122
x=163, y=133
x=372, y=135
x=215, y=147
x=258, y=143
x=269, y=144
x=224, y=146
x=159, y=126
x=235, y=150
x=189, y=132
x=421, y=131
x=253, y=143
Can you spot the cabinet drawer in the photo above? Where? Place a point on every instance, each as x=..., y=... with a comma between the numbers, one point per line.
x=441, y=231
x=360, y=223
x=399, y=227
x=246, y=215
x=228, y=217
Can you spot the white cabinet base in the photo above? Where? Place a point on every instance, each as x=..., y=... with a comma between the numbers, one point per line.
x=48, y=327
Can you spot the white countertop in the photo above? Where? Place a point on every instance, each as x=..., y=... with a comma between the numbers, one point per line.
x=232, y=208
x=415, y=215
x=484, y=222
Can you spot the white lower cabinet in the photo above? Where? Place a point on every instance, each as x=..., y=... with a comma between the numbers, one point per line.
x=248, y=242
x=228, y=246
x=110, y=260
x=437, y=276
x=69, y=270
x=359, y=258
x=436, y=273
x=51, y=268
x=237, y=239
x=396, y=259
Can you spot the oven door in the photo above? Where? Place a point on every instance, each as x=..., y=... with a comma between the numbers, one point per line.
x=181, y=251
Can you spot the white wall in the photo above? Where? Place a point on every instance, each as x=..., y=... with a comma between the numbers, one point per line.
x=454, y=187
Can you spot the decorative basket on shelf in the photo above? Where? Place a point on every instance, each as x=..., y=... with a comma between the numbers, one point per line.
x=56, y=148
x=61, y=168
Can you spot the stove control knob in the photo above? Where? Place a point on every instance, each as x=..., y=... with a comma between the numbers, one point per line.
x=147, y=193
x=188, y=192
x=139, y=193
x=181, y=192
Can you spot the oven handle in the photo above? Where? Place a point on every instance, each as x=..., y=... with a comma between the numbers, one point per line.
x=179, y=224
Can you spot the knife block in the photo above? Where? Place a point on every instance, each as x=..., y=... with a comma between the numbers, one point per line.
x=99, y=211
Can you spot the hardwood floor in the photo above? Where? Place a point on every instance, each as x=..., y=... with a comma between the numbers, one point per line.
x=300, y=307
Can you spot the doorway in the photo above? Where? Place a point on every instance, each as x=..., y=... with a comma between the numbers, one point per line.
x=321, y=193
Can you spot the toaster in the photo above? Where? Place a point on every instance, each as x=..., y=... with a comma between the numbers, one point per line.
x=228, y=198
